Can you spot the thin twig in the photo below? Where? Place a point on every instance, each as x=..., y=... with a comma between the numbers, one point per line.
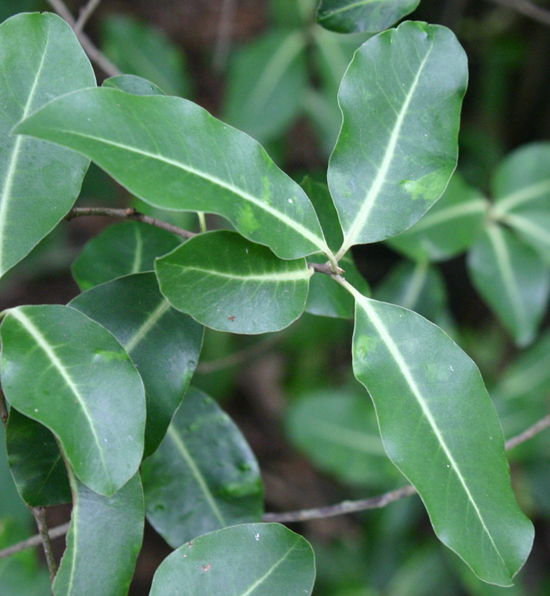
x=527, y=9
x=129, y=213
x=40, y=517
x=3, y=408
x=34, y=541
x=538, y=427
x=93, y=53
x=85, y=14
x=225, y=31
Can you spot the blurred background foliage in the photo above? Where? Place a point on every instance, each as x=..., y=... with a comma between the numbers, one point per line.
x=265, y=67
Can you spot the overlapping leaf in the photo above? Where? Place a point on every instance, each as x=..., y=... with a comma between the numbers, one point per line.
x=440, y=429
x=133, y=84
x=513, y=279
x=172, y=154
x=70, y=374
x=103, y=542
x=347, y=16
x=397, y=149
x=266, y=559
x=229, y=284
x=204, y=475
x=164, y=344
x=38, y=183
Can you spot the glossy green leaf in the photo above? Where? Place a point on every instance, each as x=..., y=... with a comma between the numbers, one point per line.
x=440, y=429
x=138, y=49
x=416, y=286
x=122, y=249
x=133, y=84
x=246, y=560
x=164, y=344
x=71, y=375
x=337, y=429
x=204, y=475
x=347, y=16
x=182, y=158
x=229, y=284
x=103, y=542
x=513, y=280
x=36, y=463
x=401, y=99
x=265, y=85
x=36, y=178
x=449, y=228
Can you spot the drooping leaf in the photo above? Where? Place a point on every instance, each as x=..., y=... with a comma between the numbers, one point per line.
x=266, y=559
x=181, y=158
x=71, y=375
x=513, y=279
x=449, y=228
x=164, y=344
x=122, y=249
x=40, y=59
x=204, y=475
x=266, y=83
x=36, y=463
x=440, y=429
x=133, y=84
x=138, y=49
x=347, y=16
x=229, y=284
x=338, y=430
x=103, y=542
x=397, y=149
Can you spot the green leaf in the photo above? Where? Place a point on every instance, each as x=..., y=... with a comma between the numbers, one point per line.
x=139, y=49
x=36, y=463
x=163, y=343
x=440, y=429
x=71, y=375
x=513, y=280
x=122, y=249
x=229, y=284
x=266, y=83
x=347, y=16
x=397, y=149
x=204, y=475
x=133, y=84
x=337, y=429
x=38, y=183
x=103, y=542
x=182, y=158
x=449, y=228
x=266, y=559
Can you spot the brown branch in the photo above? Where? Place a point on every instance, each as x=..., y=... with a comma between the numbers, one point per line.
x=3, y=408
x=40, y=517
x=34, y=541
x=93, y=53
x=527, y=9
x=85, y=14
x=129, y=213
x=538, y=427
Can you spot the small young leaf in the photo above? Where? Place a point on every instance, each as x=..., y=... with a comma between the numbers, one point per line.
x=133, y=84
x=181, y=158
x=347, y=16
x=103, y=542
x=122, y=249
x=204, y=475
x=71, y=375
x=513, y=279
x=266, y=84
x=262, y=559
x=440, y=429
x=38, y=183
x=36, y=463
x=229, y=284
x=397, y=149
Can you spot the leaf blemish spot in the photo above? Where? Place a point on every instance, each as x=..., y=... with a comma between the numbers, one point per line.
x=206, y=567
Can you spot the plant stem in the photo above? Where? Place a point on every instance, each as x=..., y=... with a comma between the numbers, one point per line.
x=36, y=540
x=40, y=517
x=85, y=14
x=527, y=9
x=3, y=408
x=202, y=221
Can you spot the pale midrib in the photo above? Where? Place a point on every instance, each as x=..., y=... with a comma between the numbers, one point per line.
x=519, y=197
x=262, y=579
x=12, y=167
x=268, y=277
x=298, y=227
x=431, y=220
x=146, y=326
x=503, y=259
x=347, y=7
x=138, y=255
x=415, y=286
x=525, y=225
x=347, y=437
x=52, y=356
x=379, y=181
x=180, y=445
